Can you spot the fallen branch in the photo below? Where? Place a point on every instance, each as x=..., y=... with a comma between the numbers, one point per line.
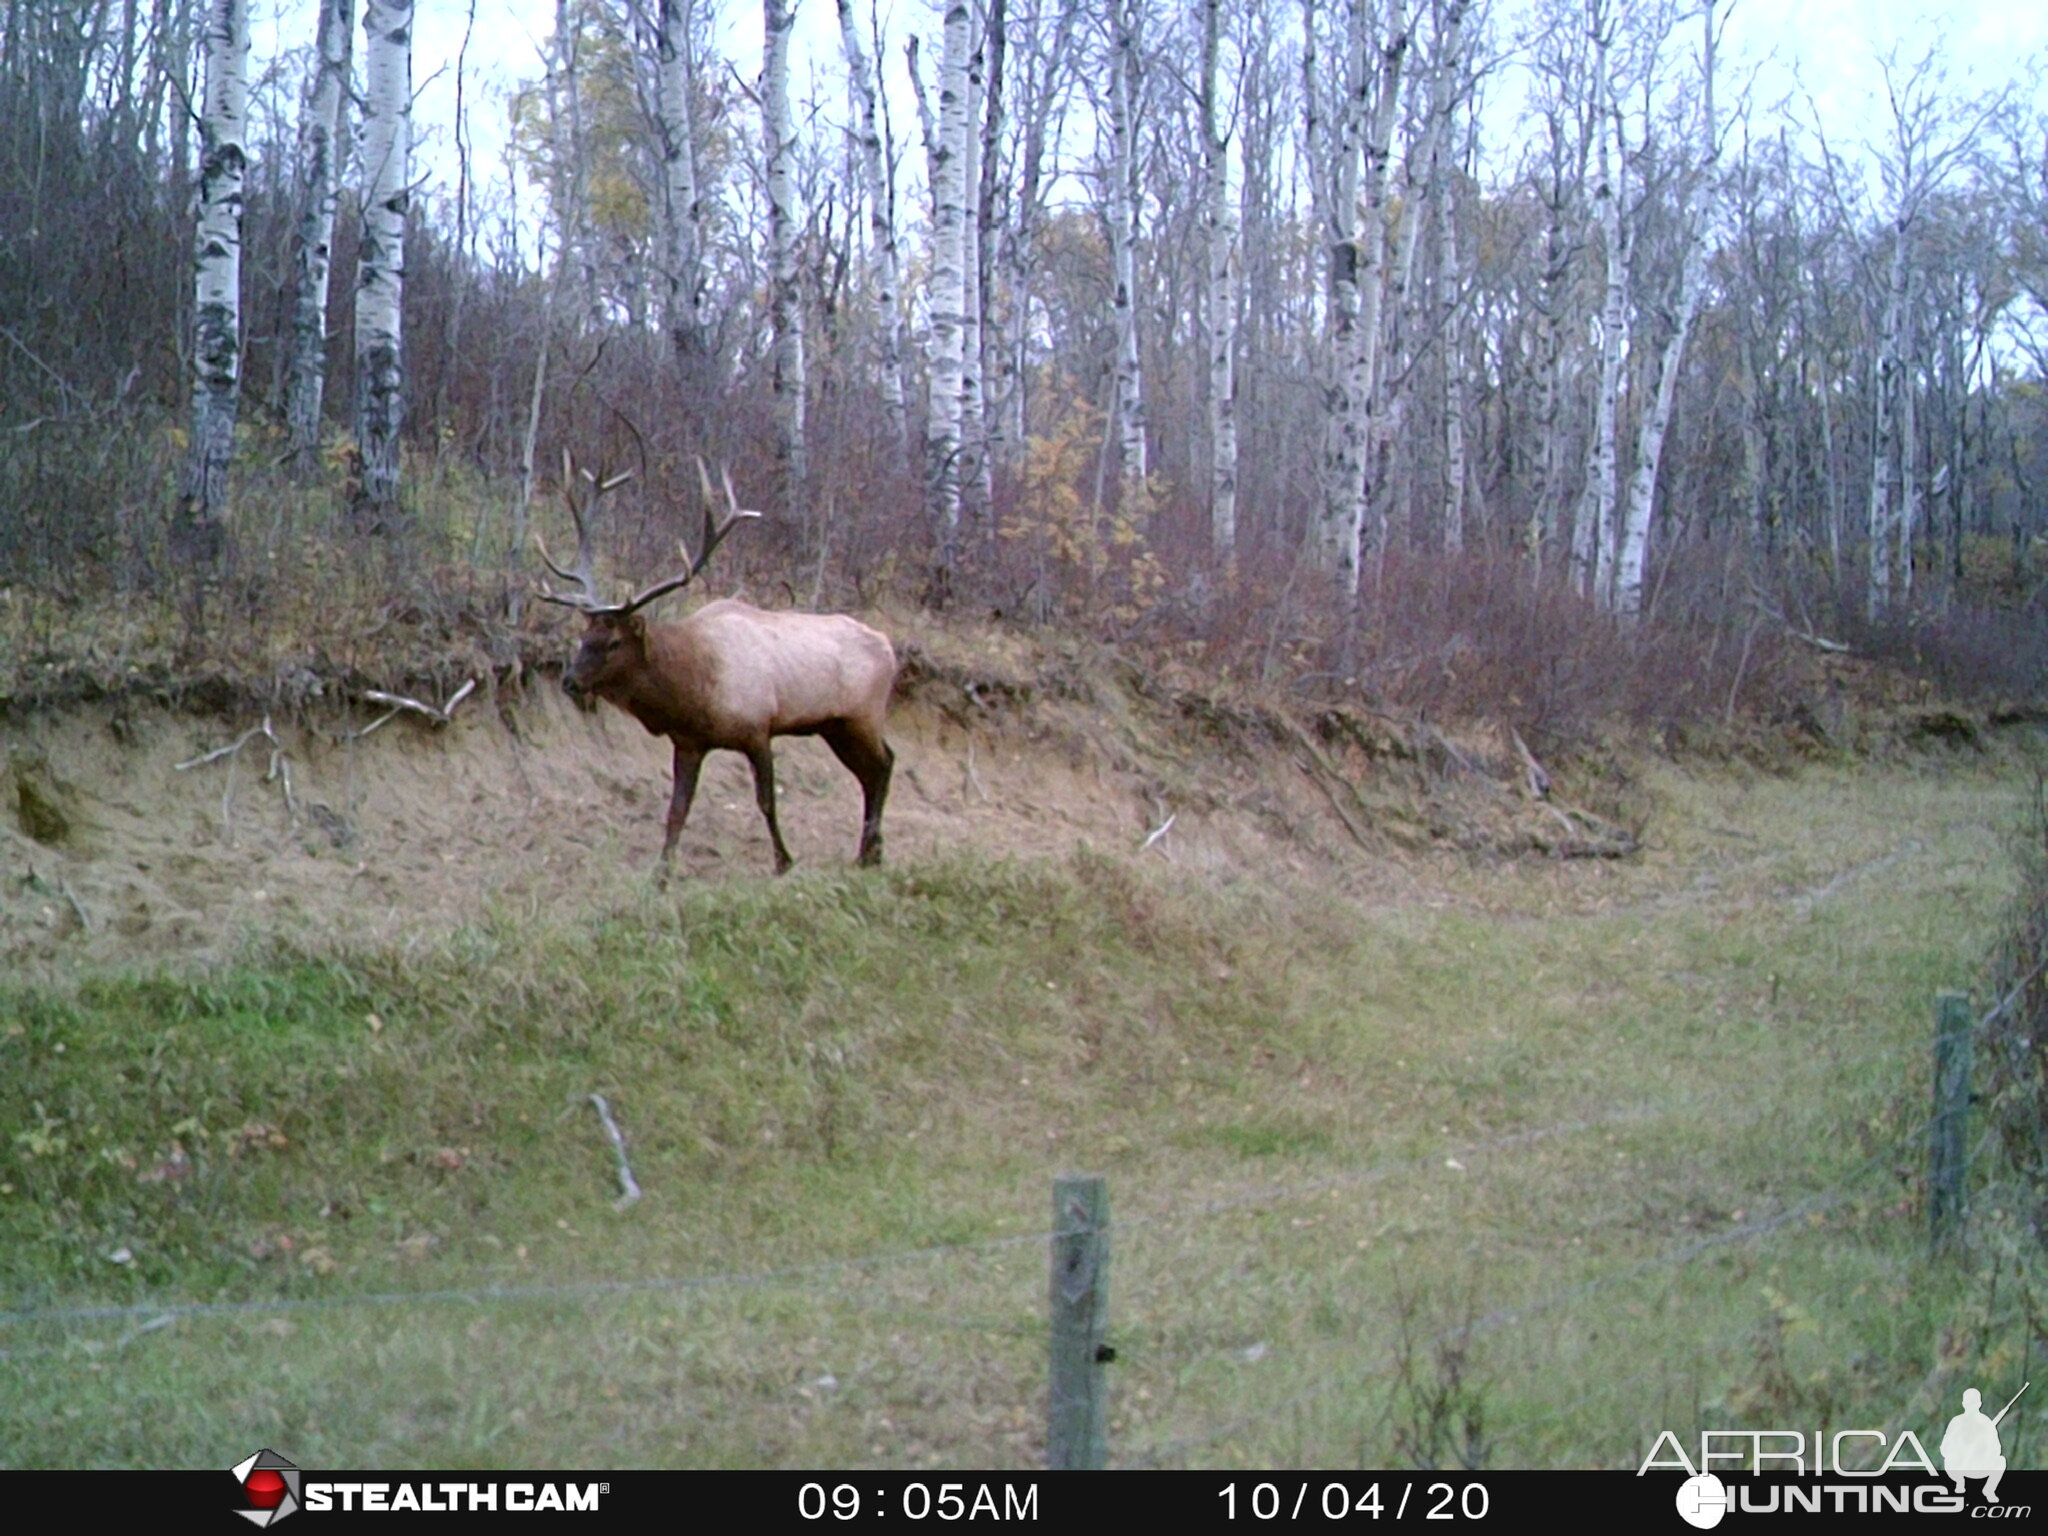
x=77, y=906
x=279, y=771
x=1538, y=780
x=611, y=1129
x=1821, y=641
x=974, y=778
x=1159, y=831
x=229, y=750
x=1761, y=601
x=1453, y=753
x=398, y=701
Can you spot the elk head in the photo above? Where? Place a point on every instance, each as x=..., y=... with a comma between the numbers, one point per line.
x=614, y=648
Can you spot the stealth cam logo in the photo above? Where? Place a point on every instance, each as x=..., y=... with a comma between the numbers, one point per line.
x=271, y=1484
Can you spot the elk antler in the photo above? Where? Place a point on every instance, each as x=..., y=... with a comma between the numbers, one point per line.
x=589, y=600
x=715, y=530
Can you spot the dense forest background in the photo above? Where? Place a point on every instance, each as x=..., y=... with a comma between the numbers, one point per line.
x=1265, y=334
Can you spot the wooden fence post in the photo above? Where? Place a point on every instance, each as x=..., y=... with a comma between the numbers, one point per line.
x=1948, y=1152
x=1077, y=1410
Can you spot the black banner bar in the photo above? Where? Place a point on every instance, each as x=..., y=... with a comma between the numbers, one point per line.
x=881, y=1502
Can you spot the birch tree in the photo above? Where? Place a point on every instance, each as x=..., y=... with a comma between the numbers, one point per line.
x=217, y=264
x=1663, y=392
x=944, y=360
x=1593, y=528
x=1426, y=184
x=380, y=273
x=1572, y=117
x=880, y=187
x=682, y=209
x=988, y=182
x=565, y=102
x=323, y=136
x=1450, y=306
x=1046, y=65
x=1356, y=233
x=786, y=293
x=1929, y=135
x=1124, y=207
x=974, y=465
x=1220, y=222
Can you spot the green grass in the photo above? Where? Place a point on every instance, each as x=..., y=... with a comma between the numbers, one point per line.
x=840, y=1065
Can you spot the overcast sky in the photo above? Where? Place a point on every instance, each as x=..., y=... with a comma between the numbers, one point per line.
x=1825, y=49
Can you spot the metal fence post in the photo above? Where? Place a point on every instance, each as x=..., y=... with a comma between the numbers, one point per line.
x=1948, y=1151
x=1077, y=1410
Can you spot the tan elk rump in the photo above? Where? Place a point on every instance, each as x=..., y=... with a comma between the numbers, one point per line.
x=733, y=676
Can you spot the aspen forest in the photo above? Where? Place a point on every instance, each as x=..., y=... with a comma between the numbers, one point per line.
x=660, y=660
x=1270, y=330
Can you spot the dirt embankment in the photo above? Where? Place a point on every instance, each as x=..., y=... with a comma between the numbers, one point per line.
x=128, y=834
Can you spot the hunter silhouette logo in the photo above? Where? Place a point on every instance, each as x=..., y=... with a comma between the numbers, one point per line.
x=1970, y=1448
x=270, y=1484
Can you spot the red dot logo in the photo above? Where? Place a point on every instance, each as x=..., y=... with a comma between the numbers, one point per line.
x=265, y=1488
x=270, y=1486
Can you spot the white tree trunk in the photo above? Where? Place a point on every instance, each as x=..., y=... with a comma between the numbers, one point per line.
x=1552, y=369
x=380, y=274
x=1883, y=464
x=682, y=214
x=1656, y=421
x=323, y=135
x=1420, y=168
x=974, y=465
x=1448, y=285
x=1445, y=92
x=217, y=263
x=1909, y=445
x=990, y=199
x=1219, y=218
x=948, y=292
x=1572, y=115
x=1823, y=388
x=786, y=294
x=1369, y=276
x=881, y=194
x=566, y=84
x=1593, y=528
x=1344, y=401
x=1048, y=66
x=1124, y=207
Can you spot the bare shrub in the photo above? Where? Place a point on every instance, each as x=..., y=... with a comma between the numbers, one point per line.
x=1970, y=653
x=2016, y=1039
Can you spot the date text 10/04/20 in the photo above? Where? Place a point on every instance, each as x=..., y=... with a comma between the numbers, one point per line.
x=1337, y=1501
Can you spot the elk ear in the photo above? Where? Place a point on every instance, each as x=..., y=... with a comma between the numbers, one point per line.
x=633, y=625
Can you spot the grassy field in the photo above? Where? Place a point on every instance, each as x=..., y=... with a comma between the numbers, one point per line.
x=1520, y=1171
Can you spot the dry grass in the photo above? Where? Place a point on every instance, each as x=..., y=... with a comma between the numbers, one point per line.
x=1276, y=1068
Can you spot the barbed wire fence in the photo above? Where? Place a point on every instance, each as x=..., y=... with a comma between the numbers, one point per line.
x=1938, y=1133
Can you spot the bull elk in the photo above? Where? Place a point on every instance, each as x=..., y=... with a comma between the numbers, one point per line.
x=730, y=675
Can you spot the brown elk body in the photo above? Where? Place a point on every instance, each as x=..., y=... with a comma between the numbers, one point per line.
x=734, y=676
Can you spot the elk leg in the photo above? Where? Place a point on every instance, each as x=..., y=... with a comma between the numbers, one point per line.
x=763, y=760
x=688, y=763
x=868, y=758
